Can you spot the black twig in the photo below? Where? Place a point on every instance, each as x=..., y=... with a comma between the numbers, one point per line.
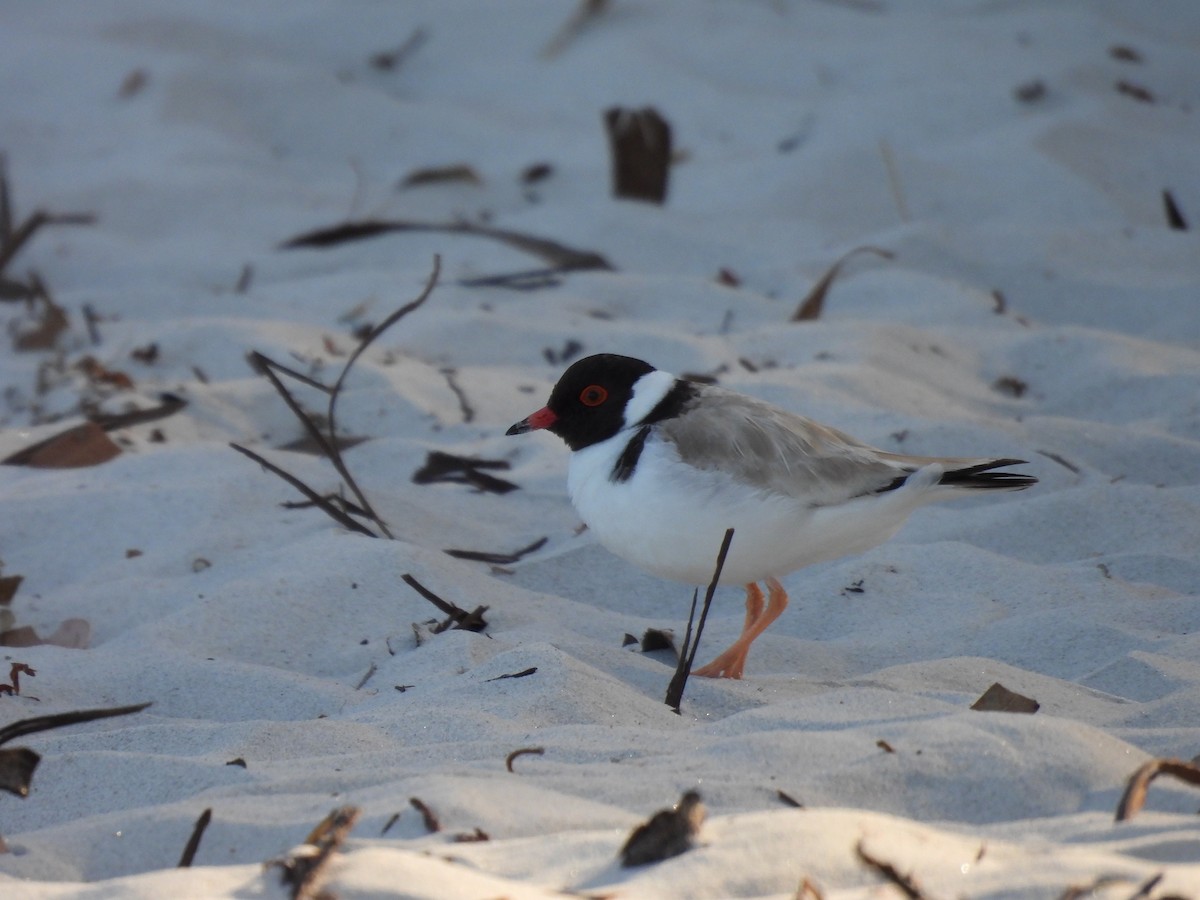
x=498, y=559
x=45, y=723
x=558, y=255
x=687, y=654
x=193, y=844
x=524, y=751
x=313, y=497
x=326, y=440
x=375, y=332
x=906, y=884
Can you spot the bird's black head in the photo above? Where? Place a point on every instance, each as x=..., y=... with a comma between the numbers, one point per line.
x=588, y=403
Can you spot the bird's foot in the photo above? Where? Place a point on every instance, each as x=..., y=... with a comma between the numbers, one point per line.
x=727, y=665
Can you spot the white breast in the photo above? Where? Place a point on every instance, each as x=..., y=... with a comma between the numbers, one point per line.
x=670, y=518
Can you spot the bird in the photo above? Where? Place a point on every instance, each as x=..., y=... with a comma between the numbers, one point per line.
x=662, y=466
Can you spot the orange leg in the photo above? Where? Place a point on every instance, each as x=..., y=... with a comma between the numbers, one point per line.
x=732, y=662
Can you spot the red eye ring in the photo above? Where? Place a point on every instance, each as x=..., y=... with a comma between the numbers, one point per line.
x=593, y=395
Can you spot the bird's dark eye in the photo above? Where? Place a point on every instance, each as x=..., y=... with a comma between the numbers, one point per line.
x=593, y=395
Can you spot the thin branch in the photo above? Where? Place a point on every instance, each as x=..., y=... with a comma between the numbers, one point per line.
x=331, y=424
x=267, y=367
x=316, y=499
x=556, y=254
x=193, y=844
x=45, y=723
x=906, y=884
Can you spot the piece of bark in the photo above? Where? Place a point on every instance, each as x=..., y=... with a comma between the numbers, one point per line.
x=640, y=145
x=669, y=832
x=998, y=698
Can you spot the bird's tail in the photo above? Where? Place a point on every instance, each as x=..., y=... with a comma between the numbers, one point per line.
x=979, y=476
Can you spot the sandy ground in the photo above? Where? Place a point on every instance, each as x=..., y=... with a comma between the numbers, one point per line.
x=1013, y=159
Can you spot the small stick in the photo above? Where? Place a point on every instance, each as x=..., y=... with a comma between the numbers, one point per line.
x=427, y=815
x=375, y=332
x=464, y=405
x=553, y=252
x=45, y=723
x=905, y=883
x=446, y=607
x=371, y=671
x=524, y=751
x=193, y=844
x=316, y=499
x=688, y=654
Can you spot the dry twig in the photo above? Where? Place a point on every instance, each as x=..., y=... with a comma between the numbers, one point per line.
x=687, y=654
x=18, y=763
x=906, y=883
x=524, y=751
x=1134, y=797
x=301, y=870
x=193, y=844
x=327, y=440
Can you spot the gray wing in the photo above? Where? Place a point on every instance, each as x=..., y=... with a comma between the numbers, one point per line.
x=774, y=450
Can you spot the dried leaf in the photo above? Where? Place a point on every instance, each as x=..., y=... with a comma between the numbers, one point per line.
x=654, y=639
x=536, y=172
x=669, y=832
x=446, y=467
x=83, y=445
x=1134, y=797
x=1010, y=385
x=98, y=374
x=459, y=172
x=810, y=308
x=998, y=698
x=45, y=332
x=302, y=869
x=8, y=587
x=17, y=765
x=74, y=634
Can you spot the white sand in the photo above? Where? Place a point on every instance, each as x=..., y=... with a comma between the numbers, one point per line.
x=257, y=122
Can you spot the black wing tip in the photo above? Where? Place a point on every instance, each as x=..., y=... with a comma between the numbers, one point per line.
x=981, y=477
